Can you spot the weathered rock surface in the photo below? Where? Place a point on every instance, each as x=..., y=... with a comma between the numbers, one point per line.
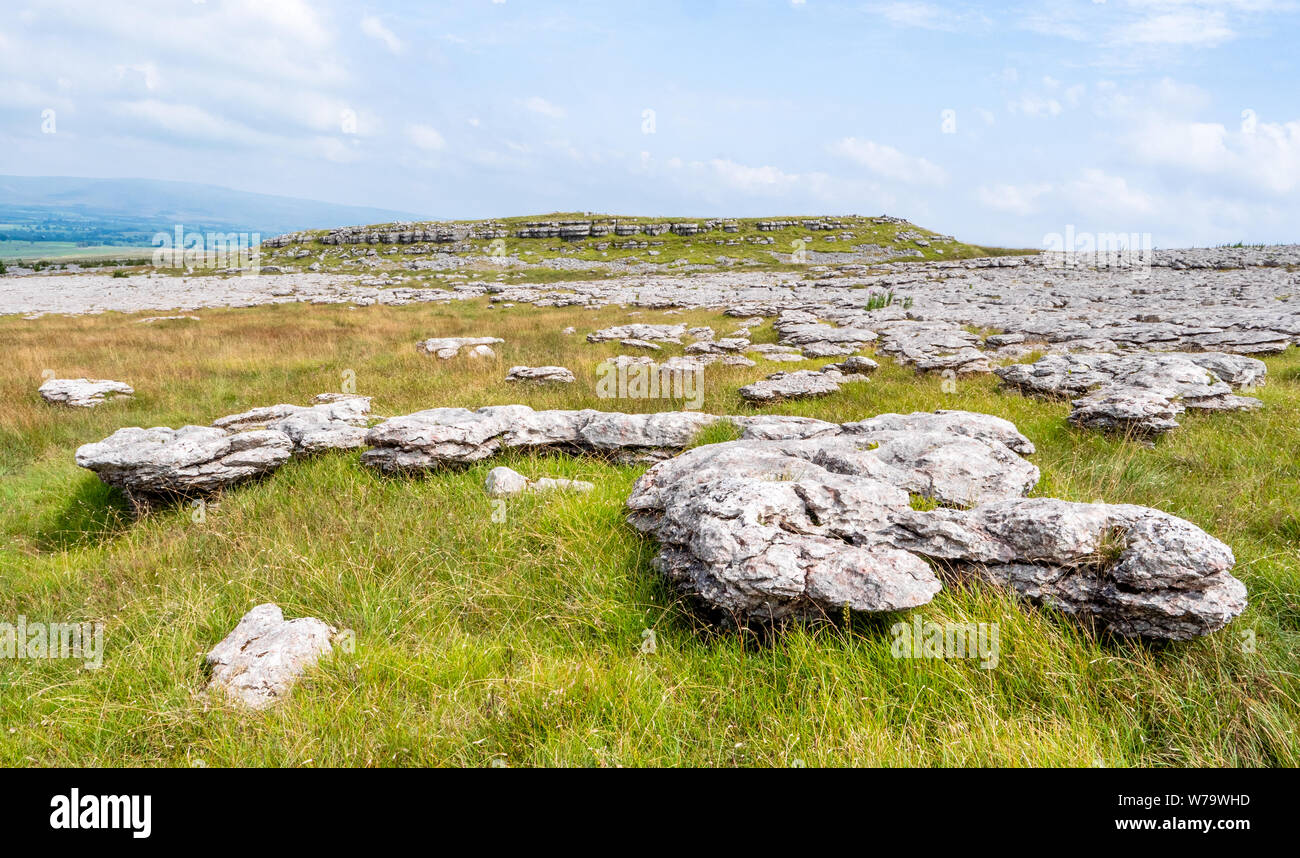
x=774, y=529
x=334, y=421
x=985, y=428
x=191, y=461
x=83, y=392
x=439, y=436
x=541, y=374
x=1236, y=300
x=818, y=339
x=448, y=347
x=1141, y=392
x=974, y=454
x=1138, y=571
x=257, y=664
x=638, y=331
x=933, y=347
x=799, y=384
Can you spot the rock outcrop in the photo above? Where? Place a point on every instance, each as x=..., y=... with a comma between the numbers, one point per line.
x=776, y=529
x=804, y=383
x=451, y=436
x=161, y=463
x=1141, y=392
x=334, y=421
x=638, y=331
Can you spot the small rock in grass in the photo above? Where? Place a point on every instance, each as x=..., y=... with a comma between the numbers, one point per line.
x=83, y=392
x=543, y=374
x=448, y=347
x=257, y=664
x=506, y=482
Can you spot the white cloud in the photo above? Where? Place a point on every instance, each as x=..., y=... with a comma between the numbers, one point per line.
x=1033, y=105
x=1016, y=199
x=929, y=16
x=425, y=137
x=541, y=106
x=190, y=122
x=889, y=162
x=913, y=14
x=753, y=179
x=146, y=73
x=1204, y=27
x=1265, y=157
x=1100, y=194
x=375, y=29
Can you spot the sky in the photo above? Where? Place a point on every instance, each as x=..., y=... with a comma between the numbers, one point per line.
x=996, y=123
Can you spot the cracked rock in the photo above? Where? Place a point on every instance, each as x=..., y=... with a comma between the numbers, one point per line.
x=639, y=331
x=798, y=384
x=1138, y=571
x=448, y=347
x=541, y=374
x=1143, y=392
x=191, y=461
x=775, y=529
x=258, y=663
x=83, y=392
x=334, y=421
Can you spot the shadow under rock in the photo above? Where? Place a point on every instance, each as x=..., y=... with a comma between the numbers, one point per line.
x=93, y=513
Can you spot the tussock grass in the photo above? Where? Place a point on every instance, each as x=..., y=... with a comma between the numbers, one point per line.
x=521, y=640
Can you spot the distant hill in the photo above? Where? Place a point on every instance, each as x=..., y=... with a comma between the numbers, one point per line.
x=131, y=211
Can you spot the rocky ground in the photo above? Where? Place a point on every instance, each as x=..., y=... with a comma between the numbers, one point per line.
x=811, y=481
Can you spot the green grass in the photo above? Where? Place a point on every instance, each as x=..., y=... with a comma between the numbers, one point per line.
x=68, y=251
x=520, y=641
x=668, y=249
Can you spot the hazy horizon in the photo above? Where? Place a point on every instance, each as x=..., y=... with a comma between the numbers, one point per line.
x=997, y=124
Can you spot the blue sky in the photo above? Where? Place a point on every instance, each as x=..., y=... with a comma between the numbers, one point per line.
x=996, y=123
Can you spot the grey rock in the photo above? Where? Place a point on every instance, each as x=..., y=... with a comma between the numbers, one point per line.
x=504, y=482
x=775, y=529
x=257, y=664
x=1138, y=571
x=985, y=428
x=541, y=374
x=799, y=384
x=448, y=347
x=742, y=527
x=638, y=331
x=83, y=392
x=1142, y=392
x=335, y=421
x=190, y=461
x=640, y=344
x=856, y=365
